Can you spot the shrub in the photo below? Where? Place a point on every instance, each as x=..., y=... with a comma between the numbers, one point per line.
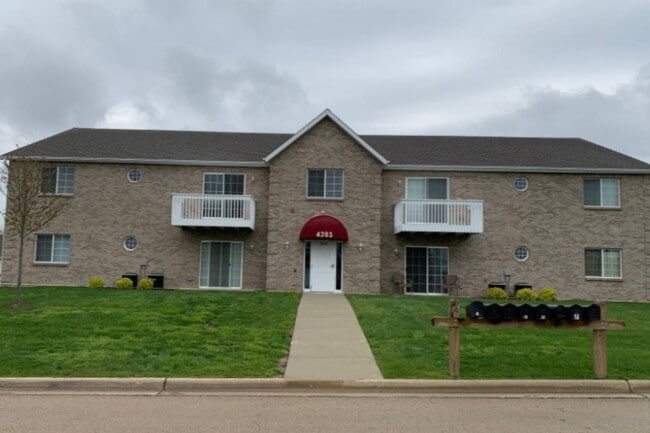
x=95, y=282
x=124, y=283
x=145, y=284
x=526, y=294
x=496, y=293
x=547, y=294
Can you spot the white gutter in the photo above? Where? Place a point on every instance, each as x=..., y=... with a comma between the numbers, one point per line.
x=506, y=169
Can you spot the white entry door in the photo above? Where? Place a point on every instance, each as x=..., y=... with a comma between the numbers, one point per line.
x=323, y=269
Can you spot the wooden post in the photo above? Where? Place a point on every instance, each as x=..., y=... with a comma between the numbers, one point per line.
x=600, y=346
x=454, y=339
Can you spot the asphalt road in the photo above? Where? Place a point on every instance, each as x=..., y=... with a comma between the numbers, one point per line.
x=376, y=413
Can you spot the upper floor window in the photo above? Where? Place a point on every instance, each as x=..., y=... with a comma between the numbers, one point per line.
x=57, y=180
x=602, y=193
x=52, y=249
x=134, y=175
x=603, y=263
x=325, y=183
x=427, y=188
x=223, y=183
x=521, y=183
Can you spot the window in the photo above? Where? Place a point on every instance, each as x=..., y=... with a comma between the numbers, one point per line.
x=221, y=264
x=130, y=243
x=603, y=263
x=220, y=185
x=325, y=183
x=52, y=249
x=134, y=175
x=223, y=183
x=425, y=269
x=521, y=254
x=421, y=209
x=427, y=188
x=602, y=193
x=521, y=183
x=57, y=180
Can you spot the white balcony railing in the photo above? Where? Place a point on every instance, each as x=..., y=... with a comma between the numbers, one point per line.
x=439, y=216
x=207, y=210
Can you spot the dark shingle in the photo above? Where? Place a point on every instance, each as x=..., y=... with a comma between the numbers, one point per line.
x=500, y=152
x=154, y=145
x=440, y=151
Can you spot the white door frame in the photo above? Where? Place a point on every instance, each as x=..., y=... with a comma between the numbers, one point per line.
x=325, y=267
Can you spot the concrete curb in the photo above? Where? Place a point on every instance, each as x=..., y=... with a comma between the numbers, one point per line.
x=156, y=386
x=143, y=385
x=640, y=386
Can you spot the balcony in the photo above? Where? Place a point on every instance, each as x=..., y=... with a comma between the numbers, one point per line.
x=439, y=216
x=205, y=210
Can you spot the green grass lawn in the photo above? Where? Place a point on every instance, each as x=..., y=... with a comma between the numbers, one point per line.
x=406, y=345
x=66, y=331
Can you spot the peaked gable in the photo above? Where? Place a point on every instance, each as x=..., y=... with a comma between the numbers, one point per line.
x=326, y=114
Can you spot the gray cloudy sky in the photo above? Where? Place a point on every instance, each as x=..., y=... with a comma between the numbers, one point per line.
x=489, y=67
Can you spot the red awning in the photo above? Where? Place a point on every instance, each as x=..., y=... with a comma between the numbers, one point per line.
x=324, y=227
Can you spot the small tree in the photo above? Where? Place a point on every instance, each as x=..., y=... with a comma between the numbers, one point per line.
x=28, y=210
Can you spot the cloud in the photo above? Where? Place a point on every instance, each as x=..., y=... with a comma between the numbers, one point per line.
x=44, y=87
x=619, y=120
x=239, y=94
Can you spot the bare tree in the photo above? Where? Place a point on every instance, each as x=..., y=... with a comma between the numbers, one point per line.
x=30, y=206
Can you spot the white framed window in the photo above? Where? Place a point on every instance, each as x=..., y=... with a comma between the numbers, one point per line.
x=521, y=183
x=57, y=180
x=130, y=243
x=224, y=183
x=222, y=187
x=325, y=183
x=603, y=193
x=603, y=263
x=421, y=193
x=134, y=175
x=425, y=269
x=221, y=265
x=427, y=188
x=52, y=249
x=521, y=253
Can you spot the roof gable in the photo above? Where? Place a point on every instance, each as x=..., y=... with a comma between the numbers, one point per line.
x=326, y=114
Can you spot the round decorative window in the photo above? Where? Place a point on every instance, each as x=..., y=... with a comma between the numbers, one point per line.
x=130, y=243
x=521, y=183
x=521, y=254
x=134, y=175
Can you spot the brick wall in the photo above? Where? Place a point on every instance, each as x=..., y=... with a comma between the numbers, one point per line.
x=106, y=208
x=548, y=218
x=324, y=146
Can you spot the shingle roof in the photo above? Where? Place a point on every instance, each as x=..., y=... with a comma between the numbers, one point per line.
x=431, y=151
x=500, y=152
x=151, y=145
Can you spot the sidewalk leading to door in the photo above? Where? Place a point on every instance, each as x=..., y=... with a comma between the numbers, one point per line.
x=328, y=343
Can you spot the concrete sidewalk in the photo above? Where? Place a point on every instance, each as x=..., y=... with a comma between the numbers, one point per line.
x=328, y=343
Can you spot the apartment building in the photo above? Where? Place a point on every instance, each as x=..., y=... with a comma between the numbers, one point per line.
x=329, y=210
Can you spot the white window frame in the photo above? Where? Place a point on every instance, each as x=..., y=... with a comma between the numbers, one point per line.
x=521, y=248
x=325, y=177
x=602, y=193
x=520, y=181
x=53, y=238
x=427, y=247
x=61, y=182
x=223, y=175
x=240, y=275
x=138, y=177
x=125, y=243
x=425, y=178
x=603, y=264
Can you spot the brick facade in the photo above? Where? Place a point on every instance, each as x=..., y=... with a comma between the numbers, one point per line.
x=326, y=146
x=548, y=218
